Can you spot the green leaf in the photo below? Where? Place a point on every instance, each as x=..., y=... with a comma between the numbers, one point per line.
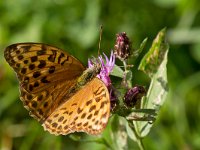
x=119, y=133
x=155, y=56
x=142, y=45
x=117, y=71
x=154, y=64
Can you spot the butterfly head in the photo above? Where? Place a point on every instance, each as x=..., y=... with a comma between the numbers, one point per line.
x=89, y=74
x=103, y=67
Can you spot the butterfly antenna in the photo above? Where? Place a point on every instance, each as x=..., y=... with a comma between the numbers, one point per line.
x=100, y=35
x=127, y=66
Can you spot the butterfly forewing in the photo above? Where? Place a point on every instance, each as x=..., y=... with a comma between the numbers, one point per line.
x=87, y=111
x=38, y=64
x=42, y=104
x=45, y=73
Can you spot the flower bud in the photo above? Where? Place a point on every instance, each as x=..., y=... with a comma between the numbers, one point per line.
x=122, y=47
x=134, y=95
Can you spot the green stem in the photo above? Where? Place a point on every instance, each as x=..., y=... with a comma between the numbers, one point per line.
x=127, y=82
x=125, y=66
x=140, y=144
x=139, y=139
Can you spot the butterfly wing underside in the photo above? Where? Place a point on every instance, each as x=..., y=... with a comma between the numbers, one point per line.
x=87, y=111
x=45, y=74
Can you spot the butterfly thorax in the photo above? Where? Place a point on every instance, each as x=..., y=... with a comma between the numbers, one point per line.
x=86, y=76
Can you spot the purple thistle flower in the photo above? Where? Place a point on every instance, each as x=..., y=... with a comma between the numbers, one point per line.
x=122, y=46
x=106, y=67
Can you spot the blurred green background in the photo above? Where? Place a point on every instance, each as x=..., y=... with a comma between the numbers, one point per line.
x=74, y=26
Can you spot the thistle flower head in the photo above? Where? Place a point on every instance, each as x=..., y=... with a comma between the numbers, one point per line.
x=106, y=67
x=134, y=95
x=122, y=47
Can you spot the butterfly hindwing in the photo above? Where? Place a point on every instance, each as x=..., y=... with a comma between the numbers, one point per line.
x=87, y=111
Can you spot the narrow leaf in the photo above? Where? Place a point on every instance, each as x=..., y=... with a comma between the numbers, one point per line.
x=154, y=64
x=142, y=45
x=152, y=60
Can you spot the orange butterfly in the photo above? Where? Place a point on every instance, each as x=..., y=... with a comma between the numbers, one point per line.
x=58, y=90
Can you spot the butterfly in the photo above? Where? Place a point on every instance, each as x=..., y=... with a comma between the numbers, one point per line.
x=58, y=90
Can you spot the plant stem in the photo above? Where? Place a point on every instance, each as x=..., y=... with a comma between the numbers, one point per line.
x=125, y=66
x=139, y=139
x=140, y=144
